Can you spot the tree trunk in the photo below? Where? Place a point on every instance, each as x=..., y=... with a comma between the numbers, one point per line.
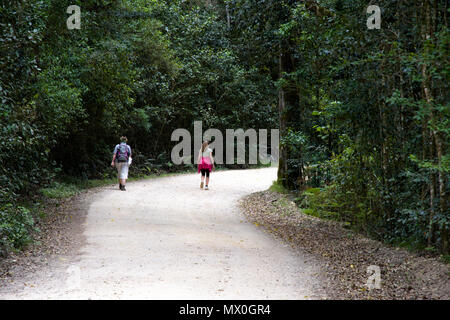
x=227, y=9
x=432, y=196
x=287, y=99
x=427, y=32
x=282, y=164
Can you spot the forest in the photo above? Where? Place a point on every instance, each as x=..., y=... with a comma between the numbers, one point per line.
x=363, y=113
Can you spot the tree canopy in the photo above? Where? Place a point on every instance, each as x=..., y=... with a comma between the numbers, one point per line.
x=363, y=114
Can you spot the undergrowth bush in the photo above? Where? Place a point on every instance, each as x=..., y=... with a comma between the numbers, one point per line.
x=16, y=226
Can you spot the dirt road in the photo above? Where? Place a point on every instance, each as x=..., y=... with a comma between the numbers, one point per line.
x=167, y=239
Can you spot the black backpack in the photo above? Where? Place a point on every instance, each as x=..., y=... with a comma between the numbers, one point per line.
x=122, y=153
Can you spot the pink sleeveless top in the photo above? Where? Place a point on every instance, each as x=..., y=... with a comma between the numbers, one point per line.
x=205, y=160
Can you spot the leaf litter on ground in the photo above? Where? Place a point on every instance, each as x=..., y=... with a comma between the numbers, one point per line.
x=344, y=255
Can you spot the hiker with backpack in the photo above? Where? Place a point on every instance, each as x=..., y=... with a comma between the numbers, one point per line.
x=122, y=160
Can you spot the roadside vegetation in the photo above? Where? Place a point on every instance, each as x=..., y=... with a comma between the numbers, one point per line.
x=363, y=114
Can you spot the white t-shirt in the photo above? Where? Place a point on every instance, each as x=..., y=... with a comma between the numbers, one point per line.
x=206, y=153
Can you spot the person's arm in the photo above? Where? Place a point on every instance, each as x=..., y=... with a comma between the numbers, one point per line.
x=129, y=156
x=114, y=157
x=199, y=160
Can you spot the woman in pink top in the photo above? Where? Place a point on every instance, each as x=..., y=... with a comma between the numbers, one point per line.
x=205, y=163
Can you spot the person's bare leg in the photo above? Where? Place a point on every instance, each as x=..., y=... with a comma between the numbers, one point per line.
x=202, y=182
x=207, y=181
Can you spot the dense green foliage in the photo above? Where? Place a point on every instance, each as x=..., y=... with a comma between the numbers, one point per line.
x=364, y=114
x=135, y=68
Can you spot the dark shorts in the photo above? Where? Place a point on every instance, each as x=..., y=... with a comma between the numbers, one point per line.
x=205, y=172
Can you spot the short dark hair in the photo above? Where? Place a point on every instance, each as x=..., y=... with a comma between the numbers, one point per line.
x=123, y=139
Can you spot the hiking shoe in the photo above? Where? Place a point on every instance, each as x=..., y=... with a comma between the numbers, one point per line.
x=201, y=185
